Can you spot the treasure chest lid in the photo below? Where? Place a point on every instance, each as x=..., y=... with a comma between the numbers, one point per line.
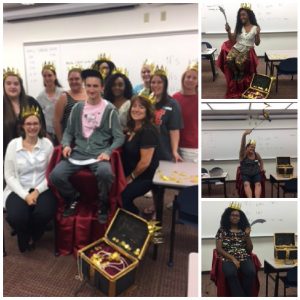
x=283, y=160
x=261, y=82
x=129, y=232
x=284, y=239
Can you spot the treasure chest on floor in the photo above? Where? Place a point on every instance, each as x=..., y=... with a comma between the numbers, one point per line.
x=110, y=263
x=285, y=249
x=259, y=88
x=284, y=167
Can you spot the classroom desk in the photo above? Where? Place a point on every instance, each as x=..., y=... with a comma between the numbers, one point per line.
x=276, y=56
x=206, y=178
x=278, y=180
x=270, y=266
x=173, y=176
x=209, y=54
x=192, y=289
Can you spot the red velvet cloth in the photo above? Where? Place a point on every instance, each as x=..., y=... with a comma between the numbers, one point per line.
x=75, y=232
x=217, y=276
x=240, y=186
x=235, y=88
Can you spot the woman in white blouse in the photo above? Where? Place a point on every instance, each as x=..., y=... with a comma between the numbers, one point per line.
x=29, y=203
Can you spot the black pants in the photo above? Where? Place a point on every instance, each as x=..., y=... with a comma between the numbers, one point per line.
x=30, y=221
x=136, y=188
x=244, y=287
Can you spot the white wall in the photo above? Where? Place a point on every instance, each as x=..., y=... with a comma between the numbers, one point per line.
x=269, y=41
x=128, y=21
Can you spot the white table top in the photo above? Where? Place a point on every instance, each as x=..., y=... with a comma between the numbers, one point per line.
x=282, y=178
x=208, y=51
x=208, y=176
x=281, y=54
x=193, y=283
x=279, y=266
x=181, y=174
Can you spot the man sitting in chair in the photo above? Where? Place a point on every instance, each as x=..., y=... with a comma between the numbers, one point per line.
x=251, y=165
x=95, y=130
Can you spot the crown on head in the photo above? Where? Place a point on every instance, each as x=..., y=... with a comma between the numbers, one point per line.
x=252, y=142
x=149, y=63
x=30, y=111
x=235, y=205
x=145, y=94
x=48, y=66
x=122, y=71
x=103, y=56
x=246, y=6
x=160, y=71
x=75, y=67
x=10, y=72
x=193, y=66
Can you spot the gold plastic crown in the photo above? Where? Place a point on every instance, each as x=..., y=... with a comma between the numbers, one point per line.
x=144, y=93
x=75, y=68
x=252, y=142
x=30, y=111
x=149, y=63
x=10, y=72
x=103, y=56
x=246, y=6
x=235, y=205
x=193, y=66
x=48, y=66
x=160, y=71
x=120, y=71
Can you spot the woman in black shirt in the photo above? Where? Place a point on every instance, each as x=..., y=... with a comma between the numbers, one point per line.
x=234, y=246
x=140, y=158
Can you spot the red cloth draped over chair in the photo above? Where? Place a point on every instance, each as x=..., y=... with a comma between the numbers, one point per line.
x=217, y=276
x=75, y=232
x=240, y=186
x=235, y=89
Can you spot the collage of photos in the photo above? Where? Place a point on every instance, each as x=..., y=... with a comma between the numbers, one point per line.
x=110, y=113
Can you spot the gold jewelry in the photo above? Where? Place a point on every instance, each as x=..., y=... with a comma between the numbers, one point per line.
x=48, y=66
x=137, y=251
x=10, y=72
x=30, y=111
x=115, y=256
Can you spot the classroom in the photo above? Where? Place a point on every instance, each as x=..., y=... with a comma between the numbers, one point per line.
x=272, y=129
x=90, y=206
x=271, y=61
x=273, y=223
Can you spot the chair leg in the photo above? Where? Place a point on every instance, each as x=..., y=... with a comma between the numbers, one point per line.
x=284, y=291
x=172, y=234
x=277, y=82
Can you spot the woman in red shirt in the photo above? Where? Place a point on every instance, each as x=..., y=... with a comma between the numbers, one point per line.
x=188, y=101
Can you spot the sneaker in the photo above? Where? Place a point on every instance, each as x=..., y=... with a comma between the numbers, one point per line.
x=148, y=194
x=71, y=210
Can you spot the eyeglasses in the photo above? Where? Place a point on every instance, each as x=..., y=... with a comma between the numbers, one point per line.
x=34, y=124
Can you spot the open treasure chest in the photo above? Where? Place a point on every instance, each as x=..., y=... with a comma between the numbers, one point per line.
x=285, y=249
x=110, y=263
x=284, y=167
x=259, y=88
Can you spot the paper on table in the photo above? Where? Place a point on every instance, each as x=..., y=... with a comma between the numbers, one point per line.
x=82, y=162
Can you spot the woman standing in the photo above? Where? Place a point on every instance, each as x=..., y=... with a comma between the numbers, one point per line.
x=118, y=90
x=188, y=101
x=67, y=100
x=251, y=165
x=167, y=116
x=14, y=101
x=49, y=96
x=234, y=246
x=104, y=65
x=30, y=204
x=144, y=88
x=140, y=151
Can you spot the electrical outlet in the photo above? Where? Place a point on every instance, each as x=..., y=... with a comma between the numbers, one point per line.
x=163, y=15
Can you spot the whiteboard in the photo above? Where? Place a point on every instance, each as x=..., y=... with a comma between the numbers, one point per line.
x=280, y=216
x=270, y=143
x=173, y=50
x=272, y=16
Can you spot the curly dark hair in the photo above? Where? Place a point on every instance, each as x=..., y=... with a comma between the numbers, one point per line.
x=239, y=24
x=165, y=96
x=225, y=219
x=99, y=62
x=149, y=119
x=108, y=94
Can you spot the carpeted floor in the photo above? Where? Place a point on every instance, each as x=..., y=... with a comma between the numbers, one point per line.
x=209, y=289
x=40, y=273
x=287, y=88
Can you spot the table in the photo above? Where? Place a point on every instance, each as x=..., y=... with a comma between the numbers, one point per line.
x=278, y=179
x=207, y=178
x=209, y=54
x=173, y=176
x=271, y=266
x=192, y=289
x=275, y=56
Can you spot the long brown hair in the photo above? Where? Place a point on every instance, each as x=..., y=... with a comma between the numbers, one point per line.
x=149, y=119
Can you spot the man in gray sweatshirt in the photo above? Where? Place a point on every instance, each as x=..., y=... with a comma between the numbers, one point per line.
x=95, y=130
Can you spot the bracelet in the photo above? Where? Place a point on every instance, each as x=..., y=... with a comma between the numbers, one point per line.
x=132, y=176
